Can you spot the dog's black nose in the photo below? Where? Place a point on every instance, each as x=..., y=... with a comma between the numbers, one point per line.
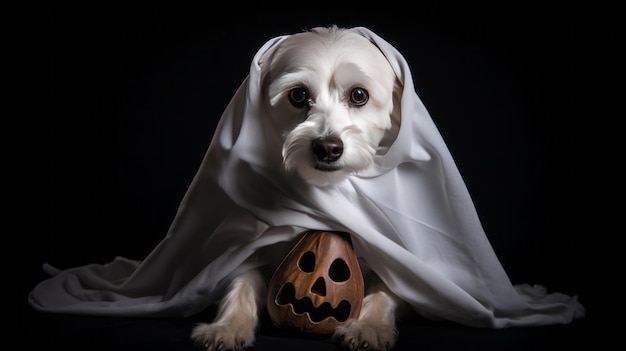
x=327, y=149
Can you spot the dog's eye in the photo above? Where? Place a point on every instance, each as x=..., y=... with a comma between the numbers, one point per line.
x=359, y=96
x=299, y=97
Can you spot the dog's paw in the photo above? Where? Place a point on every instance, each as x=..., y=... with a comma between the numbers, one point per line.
x=360, y=335
x=222, y=337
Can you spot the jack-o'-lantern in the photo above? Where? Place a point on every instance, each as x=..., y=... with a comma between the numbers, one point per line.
x=318, y=285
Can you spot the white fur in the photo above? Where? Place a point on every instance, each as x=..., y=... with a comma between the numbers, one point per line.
x=375, y=329
x=237, y=316
x=328, y=64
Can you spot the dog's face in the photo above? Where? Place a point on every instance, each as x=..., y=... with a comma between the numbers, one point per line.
x=332, y=93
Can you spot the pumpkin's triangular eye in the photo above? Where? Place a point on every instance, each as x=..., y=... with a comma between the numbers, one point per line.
x=307, y=262
x=339, y=271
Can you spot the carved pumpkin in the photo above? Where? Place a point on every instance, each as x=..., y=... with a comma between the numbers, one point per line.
x=318, y=285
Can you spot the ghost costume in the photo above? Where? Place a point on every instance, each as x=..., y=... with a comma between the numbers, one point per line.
x=410, y=217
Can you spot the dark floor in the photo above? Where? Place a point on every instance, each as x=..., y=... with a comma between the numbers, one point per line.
x=56, y=332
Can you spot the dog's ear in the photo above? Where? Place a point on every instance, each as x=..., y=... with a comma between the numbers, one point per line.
x=269, y=79
x=396, y=113
x=265, y=63
x=396, y=118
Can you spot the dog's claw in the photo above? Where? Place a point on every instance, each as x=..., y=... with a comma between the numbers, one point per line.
x=364, y=345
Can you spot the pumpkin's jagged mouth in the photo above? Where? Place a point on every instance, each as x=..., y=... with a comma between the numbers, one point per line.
x=287, y=296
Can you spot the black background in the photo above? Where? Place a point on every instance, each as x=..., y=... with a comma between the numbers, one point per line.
x=111, y=106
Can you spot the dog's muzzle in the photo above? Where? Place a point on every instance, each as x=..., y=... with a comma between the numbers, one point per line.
x=327, y=150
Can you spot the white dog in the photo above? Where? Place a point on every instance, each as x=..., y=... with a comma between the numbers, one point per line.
x=340, y=93
x=326, y=133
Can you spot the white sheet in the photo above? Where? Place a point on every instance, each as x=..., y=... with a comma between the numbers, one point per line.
x=411, y=218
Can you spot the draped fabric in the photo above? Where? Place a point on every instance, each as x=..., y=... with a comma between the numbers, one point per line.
x=410, y=216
